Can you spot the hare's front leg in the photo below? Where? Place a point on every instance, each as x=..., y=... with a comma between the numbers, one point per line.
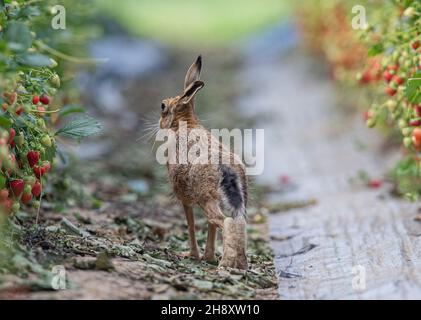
x=194, y=249
x=209, y=254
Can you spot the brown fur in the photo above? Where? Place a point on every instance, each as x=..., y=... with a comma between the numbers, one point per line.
x=200, y=184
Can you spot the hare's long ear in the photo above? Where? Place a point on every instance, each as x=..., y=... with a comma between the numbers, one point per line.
x=193, y=74
x=191, y=91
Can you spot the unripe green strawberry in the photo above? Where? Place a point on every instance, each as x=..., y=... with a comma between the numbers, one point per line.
x=55, y=80
x=40, y=123
x=371, y=122
x=391, y=105
x=46, y=141
x=395, y=55
x=53, y=63
x=407, y=141
x=36, y=204
x=8, y=163
x=27, y=189
x=407, y=64
x=29, y=180
x=402, y=123
x=406, y=131
x=409, y=12
x=15, y=207
x=20, y=139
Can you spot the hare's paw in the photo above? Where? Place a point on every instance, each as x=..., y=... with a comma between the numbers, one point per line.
x=241, y=261
x=208, y=256
x=238, y=261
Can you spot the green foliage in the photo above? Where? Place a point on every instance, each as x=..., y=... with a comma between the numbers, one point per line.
x=413, y=89
x=79, y=127
x=34, y=60
x=196, y=23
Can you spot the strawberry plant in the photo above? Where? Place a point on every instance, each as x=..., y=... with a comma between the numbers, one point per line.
x=32, y=95
x=383, y=61
x=397, y=94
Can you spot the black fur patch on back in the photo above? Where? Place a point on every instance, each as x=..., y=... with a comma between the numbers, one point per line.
x=231, y=187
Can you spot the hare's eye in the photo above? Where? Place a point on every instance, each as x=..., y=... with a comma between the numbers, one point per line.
x=163, y=106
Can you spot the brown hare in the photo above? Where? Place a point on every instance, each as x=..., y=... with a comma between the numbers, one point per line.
x=213, y=185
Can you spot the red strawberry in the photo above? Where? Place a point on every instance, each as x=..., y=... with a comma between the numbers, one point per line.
x=415, y=123
x=375, y=183
x=17, y=187
x=26, y=198
x=36, y=189
x=390, y=91
x=33, y=157
x=46, y=166
x=393, y=67
x=35, y=99
x=10, y=97
x=39, y=171
x=6, y=205
x=398, y=80
x=19, y=110
x=284, y=179
x=366, y=77
x=4, y=194
x=387, y=76
x=44, y=99
x=367, y=115
x=12, y=134
x=416, y=137
x=418, y=110
x=415, y=45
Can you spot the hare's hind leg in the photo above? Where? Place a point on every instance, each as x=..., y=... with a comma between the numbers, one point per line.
x=194, y=249
x=233, y=236
x=209, y=254
x=217, y=219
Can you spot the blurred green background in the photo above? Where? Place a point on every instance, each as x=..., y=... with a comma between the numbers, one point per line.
x=193, y=22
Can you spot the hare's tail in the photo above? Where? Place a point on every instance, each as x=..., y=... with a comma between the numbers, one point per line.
x=234, y=232
x=234, y=193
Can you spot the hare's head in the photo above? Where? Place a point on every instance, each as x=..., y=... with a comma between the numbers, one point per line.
x=181, y=107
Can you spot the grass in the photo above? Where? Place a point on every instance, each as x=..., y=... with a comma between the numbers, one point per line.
x=193, y=22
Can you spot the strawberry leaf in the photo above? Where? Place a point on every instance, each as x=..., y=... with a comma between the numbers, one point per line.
x=413, y=88
x=79, y=128
x=18, y=36
x=5, y=122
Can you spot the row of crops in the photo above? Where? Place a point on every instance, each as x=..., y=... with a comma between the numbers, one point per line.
x=39, y=105
x=373, y=48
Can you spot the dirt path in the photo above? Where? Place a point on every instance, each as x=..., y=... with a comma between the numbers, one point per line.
x=322, y=249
